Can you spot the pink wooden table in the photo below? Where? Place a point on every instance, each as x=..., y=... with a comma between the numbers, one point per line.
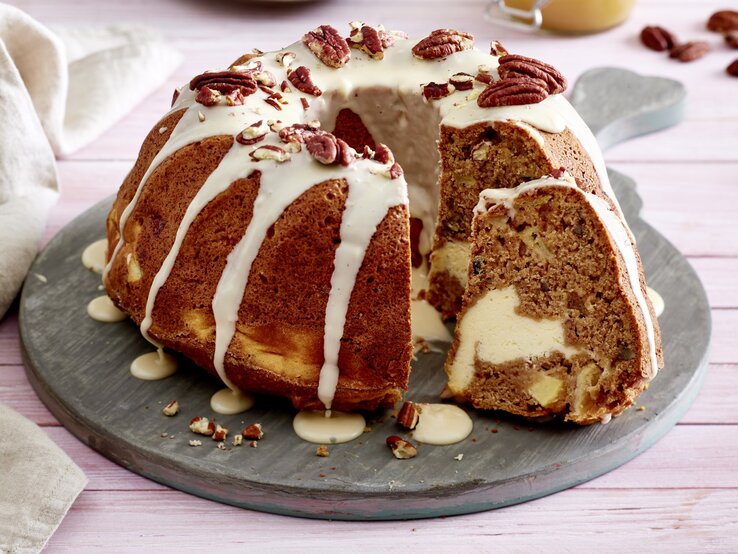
x=681, y=495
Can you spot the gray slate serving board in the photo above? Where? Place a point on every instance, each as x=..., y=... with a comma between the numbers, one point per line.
x=80, y=369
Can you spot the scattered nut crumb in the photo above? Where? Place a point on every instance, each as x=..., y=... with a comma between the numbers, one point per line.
x=322, y=451
x=494, y=430
x=253, y=431
x=321, y=475
x=401, y=449
x=221, y=446
x=409, y=415
x=253, y=444
x=195, y=442
x=162, y=130
x=202, y=426
x=171, y=409
x=220, y=433
x=367, y=429
x=237, y=440
x=641, y=408
x=164, y=435
x=459, y=457
x=200, y=116
x=474, y=439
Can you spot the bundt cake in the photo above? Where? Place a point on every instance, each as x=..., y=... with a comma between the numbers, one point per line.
x=280, y=256
x=555, y=318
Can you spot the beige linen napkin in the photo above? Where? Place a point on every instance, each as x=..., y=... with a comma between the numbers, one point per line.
x=38, y=484
x=59, y=91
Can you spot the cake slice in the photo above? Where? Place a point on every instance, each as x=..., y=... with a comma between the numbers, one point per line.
x=555, y=320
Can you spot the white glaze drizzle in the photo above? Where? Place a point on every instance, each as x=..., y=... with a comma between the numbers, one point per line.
x=442, y=424
x=230, y=402
x=93, y=257
x=102, y=309
x=617, y=230
x=328, y=427
x=153, y=366
x=198, y=123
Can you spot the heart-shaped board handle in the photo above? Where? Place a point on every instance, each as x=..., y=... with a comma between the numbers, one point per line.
x=619, y=104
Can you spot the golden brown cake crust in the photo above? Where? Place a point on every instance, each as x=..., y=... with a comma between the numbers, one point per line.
x=278, y=345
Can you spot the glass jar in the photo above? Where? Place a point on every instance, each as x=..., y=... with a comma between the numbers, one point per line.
x=564, y=16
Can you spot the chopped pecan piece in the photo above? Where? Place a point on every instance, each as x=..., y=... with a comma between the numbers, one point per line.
x=346, y=154
x=252, y=134
x=408, y=416
x=265, y=78
x=496, y=49
x=322, y=451
x=171, y=409
x=462, y=81
x=367, y=39
x=513, y=65
x=253, y=432
x=301, y=80
x=269, y=152
x=328, y=46
x=383, y=154
x=657, y=38
x=395, y=171
x=305, y=103
x=202, y=426
x=286, y=58
x=220, y=433
x=401, y=449
x=723, y=20
x=434, y=91
x=246, y=58
x=514, y=91
x=689, y=51
x=485, y=78
x=441, y=43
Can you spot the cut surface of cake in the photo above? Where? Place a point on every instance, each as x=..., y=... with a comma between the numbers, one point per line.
x=278, y=256
x=555, y=320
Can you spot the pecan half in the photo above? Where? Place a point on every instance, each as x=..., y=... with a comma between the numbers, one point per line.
x=328, y=46
x=434, y=91
x=462, y=81
x=301, y=80
x=346, y=154
x=496, y=49
x=723, y=20
x=442, y=43
x=514, y=91
x=657, y=38
x=234, y=86
x=367, y=39
x=265, y=78
x=732, y=69
x=689, y=51
x=323, y=147
x=297, y=133
x=513, y=65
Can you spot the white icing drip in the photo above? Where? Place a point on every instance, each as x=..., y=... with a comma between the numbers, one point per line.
x=102, y=309
x=366, y=206
x=442, y=424
x=93, y=257
x=328, y=428
x=230, y=402
x=618, y=232
x=656, y=300
x=153, y=366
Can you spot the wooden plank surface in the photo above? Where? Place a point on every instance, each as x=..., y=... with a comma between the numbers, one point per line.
x=679, y=496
